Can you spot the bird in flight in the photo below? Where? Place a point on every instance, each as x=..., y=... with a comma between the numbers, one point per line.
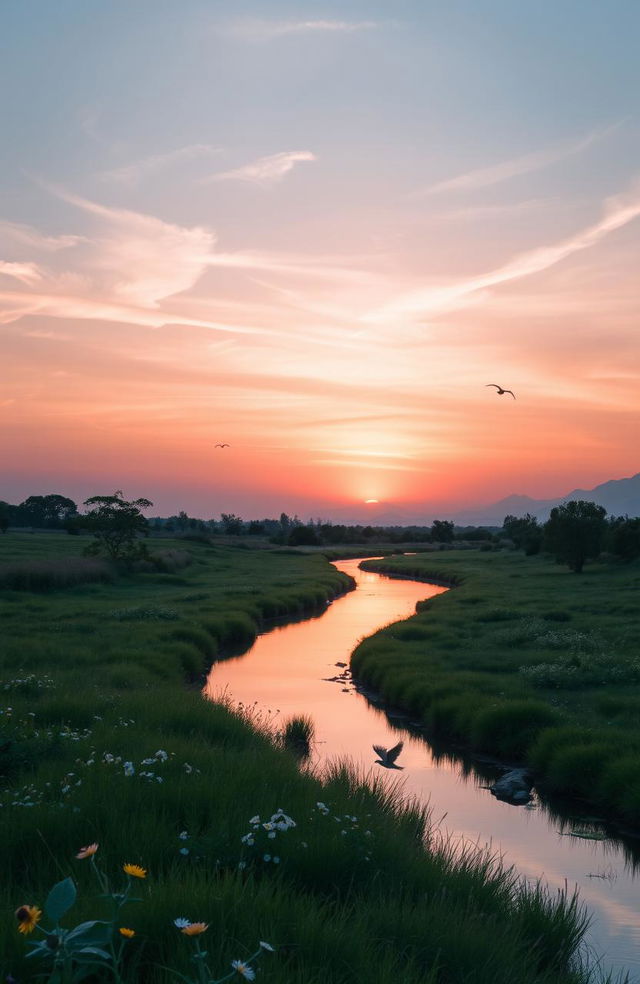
x=388, y=756
x=501, y=391
x=223, y=445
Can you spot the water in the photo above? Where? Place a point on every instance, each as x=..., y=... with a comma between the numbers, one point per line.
x=288, y=671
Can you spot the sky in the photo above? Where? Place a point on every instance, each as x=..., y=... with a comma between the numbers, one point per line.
x=316, y=232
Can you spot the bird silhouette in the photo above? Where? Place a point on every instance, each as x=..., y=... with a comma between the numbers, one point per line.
x=501, y=391
x=223, y=445
x=388, y=756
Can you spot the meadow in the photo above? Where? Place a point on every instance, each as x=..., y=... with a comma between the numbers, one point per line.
x=525, y=661
x=185, y=842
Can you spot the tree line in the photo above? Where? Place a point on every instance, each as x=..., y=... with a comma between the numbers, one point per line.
x=576, y=531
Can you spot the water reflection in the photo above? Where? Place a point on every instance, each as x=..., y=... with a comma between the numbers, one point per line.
x=302, y=668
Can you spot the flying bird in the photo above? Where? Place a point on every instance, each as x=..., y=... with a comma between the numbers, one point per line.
x=501, y=391
x=223, y=445
x=388, y=756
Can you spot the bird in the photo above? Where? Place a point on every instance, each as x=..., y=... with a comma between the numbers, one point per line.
x=501, y=391
x=388, y=756
x=223, y=445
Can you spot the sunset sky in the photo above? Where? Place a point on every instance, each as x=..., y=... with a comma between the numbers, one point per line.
x=316, y=231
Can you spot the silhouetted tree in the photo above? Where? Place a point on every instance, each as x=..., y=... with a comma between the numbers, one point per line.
x=574, y=532
x=231, y=524
x=4, y=516
x=116, y=525
x=47, y=511
x=624, y=537
x=525, y=533
x=303, y=536
x=256, y=528
x=442, y=531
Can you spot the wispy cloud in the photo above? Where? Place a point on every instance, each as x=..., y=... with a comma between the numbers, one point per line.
x=266, y=170
x=131, y=173
x=28, y=273
x=484, y=177
x=618, y=211
x=257, y=29
x=26, y=235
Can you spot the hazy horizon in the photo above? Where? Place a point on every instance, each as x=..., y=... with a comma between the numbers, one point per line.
x=316, y=232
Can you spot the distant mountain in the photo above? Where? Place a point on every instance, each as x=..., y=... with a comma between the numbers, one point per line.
x=620, y=497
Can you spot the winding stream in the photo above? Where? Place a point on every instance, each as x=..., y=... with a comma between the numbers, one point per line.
x=302, y=667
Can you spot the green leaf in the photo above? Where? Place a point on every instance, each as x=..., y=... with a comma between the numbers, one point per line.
x=87, y=933
x=60, y=899
x=93, y=951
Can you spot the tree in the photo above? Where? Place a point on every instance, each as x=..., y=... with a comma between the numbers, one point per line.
x=442, y=531
x=303, y=536
x=624, y=537
x=4, y=516
x=574, y=532
x=116, y=525
x=525, y=533
x=50, y=511
x=231, y=524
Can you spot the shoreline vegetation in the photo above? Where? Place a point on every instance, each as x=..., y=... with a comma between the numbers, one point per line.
x=526, y=662
x=102, y=742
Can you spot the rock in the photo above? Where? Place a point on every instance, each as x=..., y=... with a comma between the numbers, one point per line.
x=513, y=787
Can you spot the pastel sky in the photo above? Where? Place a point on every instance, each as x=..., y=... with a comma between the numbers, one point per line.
x=316, y=231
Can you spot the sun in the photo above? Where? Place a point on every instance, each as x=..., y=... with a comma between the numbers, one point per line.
x=367, y=501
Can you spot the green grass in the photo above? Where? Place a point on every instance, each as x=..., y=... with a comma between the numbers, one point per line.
x=526, y=661
x=96, y=676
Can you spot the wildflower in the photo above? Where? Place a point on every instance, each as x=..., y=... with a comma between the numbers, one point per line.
x=266, y=857
x=244, y=970
x=127, y=932
x=183, y=835
x=162, y=755
x=184, y=850
x=255, y=819
x=87, y=852
x=267, y=946
x=134, y=870
x=129, y=769
x=181, y=922
x=194, y=929
x=28, y=916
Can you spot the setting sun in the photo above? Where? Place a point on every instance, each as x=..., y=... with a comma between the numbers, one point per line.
x=371, y=500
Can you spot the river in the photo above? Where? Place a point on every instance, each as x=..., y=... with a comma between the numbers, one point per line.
x=302, y=667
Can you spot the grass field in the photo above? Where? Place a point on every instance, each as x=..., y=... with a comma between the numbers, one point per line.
x=526, y=661
x=103, y=741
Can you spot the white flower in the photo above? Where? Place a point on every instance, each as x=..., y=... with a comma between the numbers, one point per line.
x=162, y=755
x=244, y=970
x=183, y=835
x=129, y=769
x=267, y=946
x=181, y=922
x=266, y=857
x=255, y=819
x=188, y=768
x=184, y=850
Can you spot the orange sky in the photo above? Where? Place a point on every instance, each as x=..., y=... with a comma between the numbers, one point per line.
x=330, y=303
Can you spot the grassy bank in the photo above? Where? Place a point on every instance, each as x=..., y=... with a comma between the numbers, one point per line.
x=102, y=742
x=526, y=661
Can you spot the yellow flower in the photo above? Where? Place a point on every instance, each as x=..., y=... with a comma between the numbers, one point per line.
x=134, y=870
x=127, y=932
x=27, y=916
x=88, y=851
x=194, y=929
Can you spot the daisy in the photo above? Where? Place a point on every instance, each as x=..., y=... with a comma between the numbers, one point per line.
x=244, y=970
x=88, y=851
x=194, y=929
x=134, y=870
x=28, y=916
x=181, y=922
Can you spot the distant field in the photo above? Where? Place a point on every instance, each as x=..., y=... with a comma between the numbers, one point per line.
x=103, y=740
x=527, y=661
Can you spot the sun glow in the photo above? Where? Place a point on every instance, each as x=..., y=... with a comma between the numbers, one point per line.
x=371, y=500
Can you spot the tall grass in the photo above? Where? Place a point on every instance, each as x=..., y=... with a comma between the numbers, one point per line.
x=103, y=742
x=527, y=662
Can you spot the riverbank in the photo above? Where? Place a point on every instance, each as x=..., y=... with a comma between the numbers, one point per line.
x=525, y=661
x=101, y=742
